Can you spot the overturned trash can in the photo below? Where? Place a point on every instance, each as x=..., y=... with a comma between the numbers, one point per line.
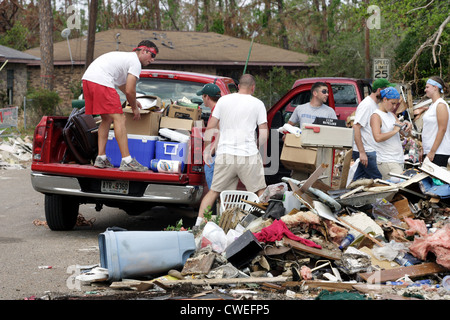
x=128, y=254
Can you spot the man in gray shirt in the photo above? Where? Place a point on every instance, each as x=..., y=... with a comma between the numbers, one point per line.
x=308, y=112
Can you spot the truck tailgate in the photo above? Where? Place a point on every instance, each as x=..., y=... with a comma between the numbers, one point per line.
x=89, y=171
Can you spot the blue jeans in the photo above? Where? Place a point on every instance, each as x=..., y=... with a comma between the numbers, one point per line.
x=369, y=172
x=209, y=172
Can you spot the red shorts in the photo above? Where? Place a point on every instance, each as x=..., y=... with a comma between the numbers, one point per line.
x=100, y=99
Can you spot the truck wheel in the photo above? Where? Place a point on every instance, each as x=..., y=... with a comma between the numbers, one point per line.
x=61, y=212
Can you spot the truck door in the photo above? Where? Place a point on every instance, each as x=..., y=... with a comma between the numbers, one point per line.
x=277, y=116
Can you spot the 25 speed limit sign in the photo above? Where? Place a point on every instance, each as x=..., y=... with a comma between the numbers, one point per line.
x=381, y=68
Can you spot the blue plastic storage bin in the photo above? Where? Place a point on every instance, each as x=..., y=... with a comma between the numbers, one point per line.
x=169, y=150
x=129, y=254
x=141, y=147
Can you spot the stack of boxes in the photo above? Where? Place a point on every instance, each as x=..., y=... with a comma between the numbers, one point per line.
x=161, y=133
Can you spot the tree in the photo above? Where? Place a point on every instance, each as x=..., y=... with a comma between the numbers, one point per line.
x=46, y=41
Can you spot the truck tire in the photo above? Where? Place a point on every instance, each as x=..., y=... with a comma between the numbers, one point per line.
x=61, y=212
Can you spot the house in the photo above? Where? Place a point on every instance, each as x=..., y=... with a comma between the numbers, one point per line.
x=13, y=75
x=205, y=52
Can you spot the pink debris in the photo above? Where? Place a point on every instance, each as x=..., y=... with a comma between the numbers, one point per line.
x=306, y=273
x=416, y=226
x=437, y=243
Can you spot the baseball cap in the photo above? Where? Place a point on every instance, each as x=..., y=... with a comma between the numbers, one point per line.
x=381, y=83
x=210, y=89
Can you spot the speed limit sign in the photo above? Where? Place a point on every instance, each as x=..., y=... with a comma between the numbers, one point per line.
x=381, y=68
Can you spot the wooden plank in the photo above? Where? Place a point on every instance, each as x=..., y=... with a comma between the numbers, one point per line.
x=199, y=265
x=345, y=169
x=326, y=285
x=435, y=171
x=235, y=281
x=394, y=274
x=413, y=179
x=325, y=253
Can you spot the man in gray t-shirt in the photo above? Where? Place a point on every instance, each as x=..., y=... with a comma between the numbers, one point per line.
x=308, y=112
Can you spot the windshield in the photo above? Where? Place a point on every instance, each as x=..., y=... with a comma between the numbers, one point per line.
x=168, y=90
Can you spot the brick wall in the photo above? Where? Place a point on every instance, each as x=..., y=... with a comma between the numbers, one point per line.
x=19, y=82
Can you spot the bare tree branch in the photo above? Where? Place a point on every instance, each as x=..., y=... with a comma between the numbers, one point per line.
x=434, y=38
x=438, y=36
x=420, y=7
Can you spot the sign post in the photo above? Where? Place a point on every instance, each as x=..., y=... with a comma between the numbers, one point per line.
x=381, y=68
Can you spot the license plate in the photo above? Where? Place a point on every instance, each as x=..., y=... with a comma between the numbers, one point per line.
x=115, y=186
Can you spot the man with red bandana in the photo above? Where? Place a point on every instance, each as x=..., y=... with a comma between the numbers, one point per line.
x=104, y=74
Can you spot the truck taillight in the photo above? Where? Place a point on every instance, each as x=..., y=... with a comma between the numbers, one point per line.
x=197, y=150
x=38, y=142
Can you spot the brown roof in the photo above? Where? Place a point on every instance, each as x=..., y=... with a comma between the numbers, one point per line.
x=179, y=47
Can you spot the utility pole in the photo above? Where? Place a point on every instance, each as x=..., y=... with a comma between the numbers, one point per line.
x=93, y=8
x=367, y=47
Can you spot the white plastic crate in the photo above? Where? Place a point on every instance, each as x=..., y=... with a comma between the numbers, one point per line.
x=232, y=198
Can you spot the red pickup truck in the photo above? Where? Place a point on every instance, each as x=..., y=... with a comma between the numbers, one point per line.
x=345, y=93
x=67, y=185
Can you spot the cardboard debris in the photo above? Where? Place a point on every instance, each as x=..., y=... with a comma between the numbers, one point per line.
x=15, y=153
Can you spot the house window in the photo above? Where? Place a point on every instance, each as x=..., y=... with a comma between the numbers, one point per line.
x=10, y=85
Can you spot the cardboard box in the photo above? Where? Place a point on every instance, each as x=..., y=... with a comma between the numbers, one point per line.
x=151, y=103
x=176, y=123
x=148, y=125
x=295, y=157
x=315, y=135
x=176, y=111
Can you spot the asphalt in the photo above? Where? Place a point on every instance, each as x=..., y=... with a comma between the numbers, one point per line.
x=37, y=262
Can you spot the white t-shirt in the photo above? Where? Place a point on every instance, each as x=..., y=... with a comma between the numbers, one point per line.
x=111, y=69
x=239, y=116
x=390, y=150
x=362, y=116
x=430, y=129
x=305, y=113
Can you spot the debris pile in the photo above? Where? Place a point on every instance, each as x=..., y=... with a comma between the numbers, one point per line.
x=15, y=152
x=375, y=240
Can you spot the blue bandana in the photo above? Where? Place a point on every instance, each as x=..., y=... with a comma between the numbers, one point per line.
x=435, y=83
x=390, y=93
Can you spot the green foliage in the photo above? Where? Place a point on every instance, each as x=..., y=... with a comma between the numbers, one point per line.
x=16, y=37
x=177, y=227
x=44, y=102
x=218, y=26
x=76, y=88
x=272, y=86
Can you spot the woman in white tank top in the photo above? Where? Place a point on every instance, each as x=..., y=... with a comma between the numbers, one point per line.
x=386, y=132
x=436, y=124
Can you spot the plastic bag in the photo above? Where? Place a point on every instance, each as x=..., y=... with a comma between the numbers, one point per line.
x=273, y=191
x=389, y=251
x=215, y=236
x=386, y=211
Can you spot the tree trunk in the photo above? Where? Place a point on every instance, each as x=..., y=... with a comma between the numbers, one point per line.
x=283, y=36
x=158, y=15
x=91, y=32
x=46, y=40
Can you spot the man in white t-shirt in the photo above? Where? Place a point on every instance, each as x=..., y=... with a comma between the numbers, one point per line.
x=364, y=145
x=237, y=154
x=104, y=74
x=308, y=112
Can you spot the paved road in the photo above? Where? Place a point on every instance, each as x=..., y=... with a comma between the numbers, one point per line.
x=25, y=246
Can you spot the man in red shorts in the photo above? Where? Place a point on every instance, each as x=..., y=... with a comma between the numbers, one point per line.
x=104, y=74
